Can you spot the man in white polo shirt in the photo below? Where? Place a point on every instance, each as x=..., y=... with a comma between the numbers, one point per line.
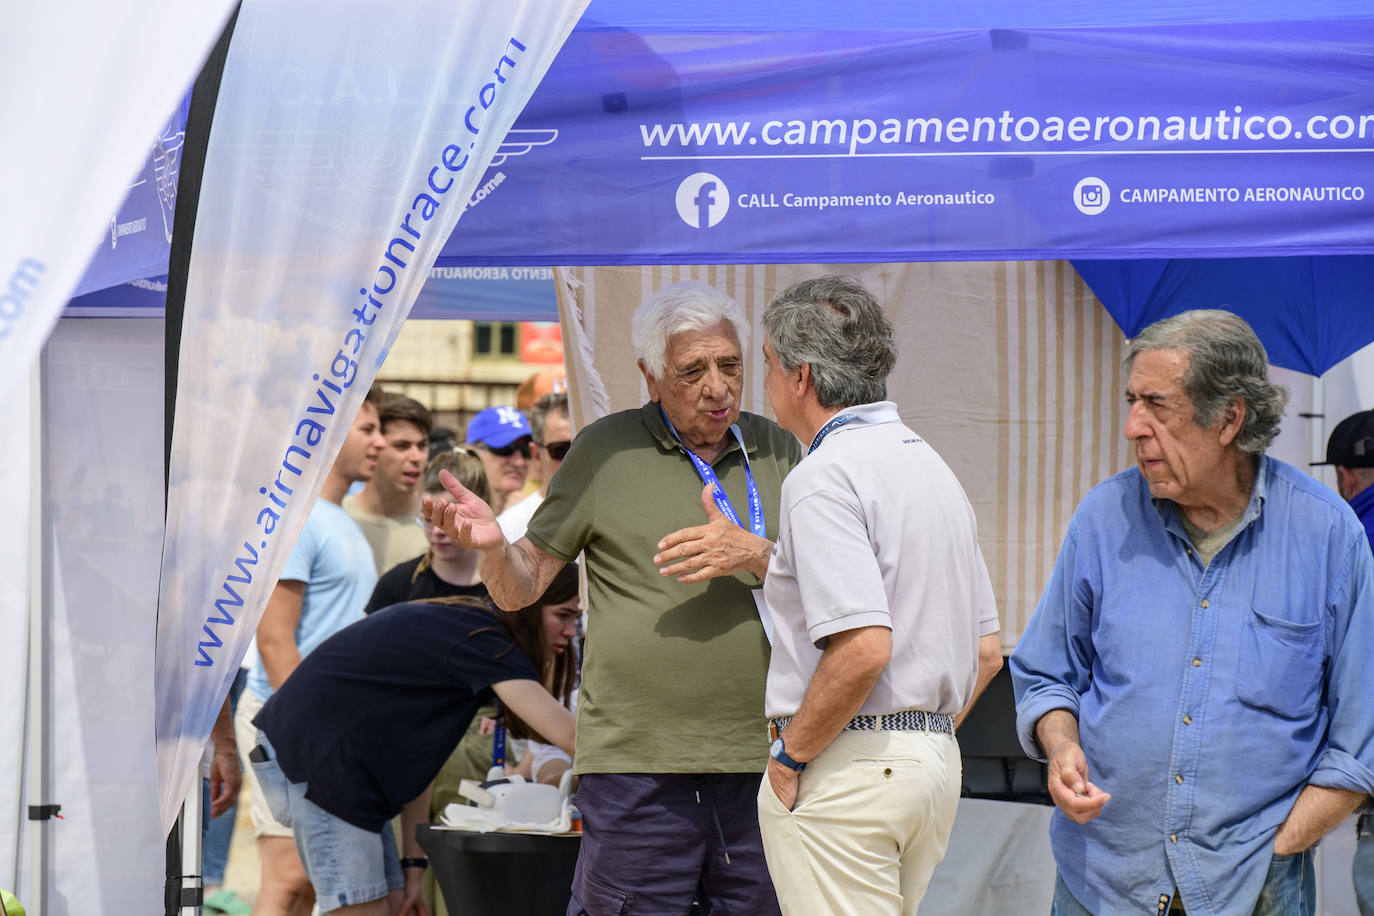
x=885, y=628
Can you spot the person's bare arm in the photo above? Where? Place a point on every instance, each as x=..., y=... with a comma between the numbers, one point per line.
x=515, y=574
x=1057, y=732
x=225, y=775
x=1317, y=812
x=539, y=710
x=523, y=768
x=277, y=631
x=551, y=773
x=849, y=667
x=989, y=663
x=415, y=813
x=717, y=548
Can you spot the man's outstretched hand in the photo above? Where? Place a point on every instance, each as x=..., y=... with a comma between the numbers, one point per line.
x=466, y=519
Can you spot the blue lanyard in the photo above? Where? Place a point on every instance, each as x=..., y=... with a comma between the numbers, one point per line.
x=498, y=741
x=831, y=425
x=708, y=477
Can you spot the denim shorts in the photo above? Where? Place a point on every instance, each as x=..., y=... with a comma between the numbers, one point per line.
x=346, y=864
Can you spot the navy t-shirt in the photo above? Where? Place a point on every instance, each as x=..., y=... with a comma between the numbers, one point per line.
x=367, y=720
x=402, y=583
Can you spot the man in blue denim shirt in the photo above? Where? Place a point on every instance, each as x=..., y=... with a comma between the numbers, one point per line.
x=1351, y=451
x=1204, y=641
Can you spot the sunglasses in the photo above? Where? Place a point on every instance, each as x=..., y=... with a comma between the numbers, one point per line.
x=522, y=446
x=556, y=450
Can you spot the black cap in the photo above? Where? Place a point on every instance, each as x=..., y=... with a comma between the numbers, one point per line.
x=1352, y=442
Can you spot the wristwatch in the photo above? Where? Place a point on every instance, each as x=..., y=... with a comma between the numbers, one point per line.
x=779, y=753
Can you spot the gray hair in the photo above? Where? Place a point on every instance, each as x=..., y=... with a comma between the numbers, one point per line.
x=1226, y=362
x=837, y=327
x=549, y=403
x=685, y=306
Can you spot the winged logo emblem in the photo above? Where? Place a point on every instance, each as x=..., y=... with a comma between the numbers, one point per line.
x=520, y=141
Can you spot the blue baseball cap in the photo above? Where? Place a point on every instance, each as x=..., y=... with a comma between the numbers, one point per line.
x=498, y=427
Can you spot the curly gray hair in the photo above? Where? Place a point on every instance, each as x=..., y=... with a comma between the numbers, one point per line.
x=1226, y=362
x=837, y=327
x=685, y=306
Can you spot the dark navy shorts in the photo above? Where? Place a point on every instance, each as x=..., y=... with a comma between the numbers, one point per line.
x=655, y=843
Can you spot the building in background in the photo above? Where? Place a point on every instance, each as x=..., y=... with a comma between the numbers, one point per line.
x=456, y=367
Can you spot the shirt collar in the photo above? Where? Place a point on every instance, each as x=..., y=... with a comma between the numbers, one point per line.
x=869, y=414
x=653, y=420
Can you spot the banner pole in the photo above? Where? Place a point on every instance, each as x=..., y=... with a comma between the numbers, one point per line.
x=199, y=117
x=192, y=884
x=39, y=810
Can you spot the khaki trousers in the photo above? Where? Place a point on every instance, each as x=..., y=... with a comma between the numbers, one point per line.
x=873, y=817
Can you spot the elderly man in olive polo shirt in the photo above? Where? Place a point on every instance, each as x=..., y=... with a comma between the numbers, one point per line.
x=671, y=735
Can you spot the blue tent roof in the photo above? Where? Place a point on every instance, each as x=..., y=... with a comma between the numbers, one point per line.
x=903, y=15
x=582, y=179
x=1311, y=313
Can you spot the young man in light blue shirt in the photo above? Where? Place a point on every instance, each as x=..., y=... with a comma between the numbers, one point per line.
x=323, y=588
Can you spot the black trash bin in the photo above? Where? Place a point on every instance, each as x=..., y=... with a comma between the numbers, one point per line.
x=503, y=874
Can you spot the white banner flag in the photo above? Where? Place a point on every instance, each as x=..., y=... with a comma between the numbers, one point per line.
x=348, y=139
x=88, y=89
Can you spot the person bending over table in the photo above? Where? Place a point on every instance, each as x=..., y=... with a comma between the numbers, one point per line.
x=358, y=731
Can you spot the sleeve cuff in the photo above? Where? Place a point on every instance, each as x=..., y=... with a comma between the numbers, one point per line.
x=1338, y=770
x=854, y=621
x=548, y=548
x=1030, y=710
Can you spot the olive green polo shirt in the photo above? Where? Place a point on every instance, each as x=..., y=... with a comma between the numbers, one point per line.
x=673, y=677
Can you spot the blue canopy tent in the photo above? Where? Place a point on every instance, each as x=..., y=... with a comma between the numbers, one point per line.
x=475, y=293
x=1116, y=136
x=768, y=132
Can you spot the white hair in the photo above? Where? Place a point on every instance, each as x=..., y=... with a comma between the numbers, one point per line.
x=685, y=306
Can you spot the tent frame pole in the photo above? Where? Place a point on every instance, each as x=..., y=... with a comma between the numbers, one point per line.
x=1317, y=425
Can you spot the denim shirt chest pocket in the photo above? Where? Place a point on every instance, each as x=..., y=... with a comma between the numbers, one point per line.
x=1281, y=664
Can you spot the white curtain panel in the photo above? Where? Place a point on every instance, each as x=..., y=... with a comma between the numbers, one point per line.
x=89, y=87
x=102, y=458
x=18, y=501
x=347, y=139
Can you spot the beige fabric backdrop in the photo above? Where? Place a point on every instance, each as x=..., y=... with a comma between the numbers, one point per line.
x=1010, y=369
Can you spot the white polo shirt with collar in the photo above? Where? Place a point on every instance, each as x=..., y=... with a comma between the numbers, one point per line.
x=876, y=531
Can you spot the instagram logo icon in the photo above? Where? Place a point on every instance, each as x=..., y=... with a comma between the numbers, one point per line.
x=1091, y=196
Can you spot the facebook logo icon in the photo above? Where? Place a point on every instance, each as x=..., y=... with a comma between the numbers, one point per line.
x=702, y=200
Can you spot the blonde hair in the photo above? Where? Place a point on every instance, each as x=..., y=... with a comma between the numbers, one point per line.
x=463, y=463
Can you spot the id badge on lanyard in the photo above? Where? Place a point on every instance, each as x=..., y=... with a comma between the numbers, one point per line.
x=756, y=523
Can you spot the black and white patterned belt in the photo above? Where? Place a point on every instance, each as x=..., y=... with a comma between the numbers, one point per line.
x=908, y=720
